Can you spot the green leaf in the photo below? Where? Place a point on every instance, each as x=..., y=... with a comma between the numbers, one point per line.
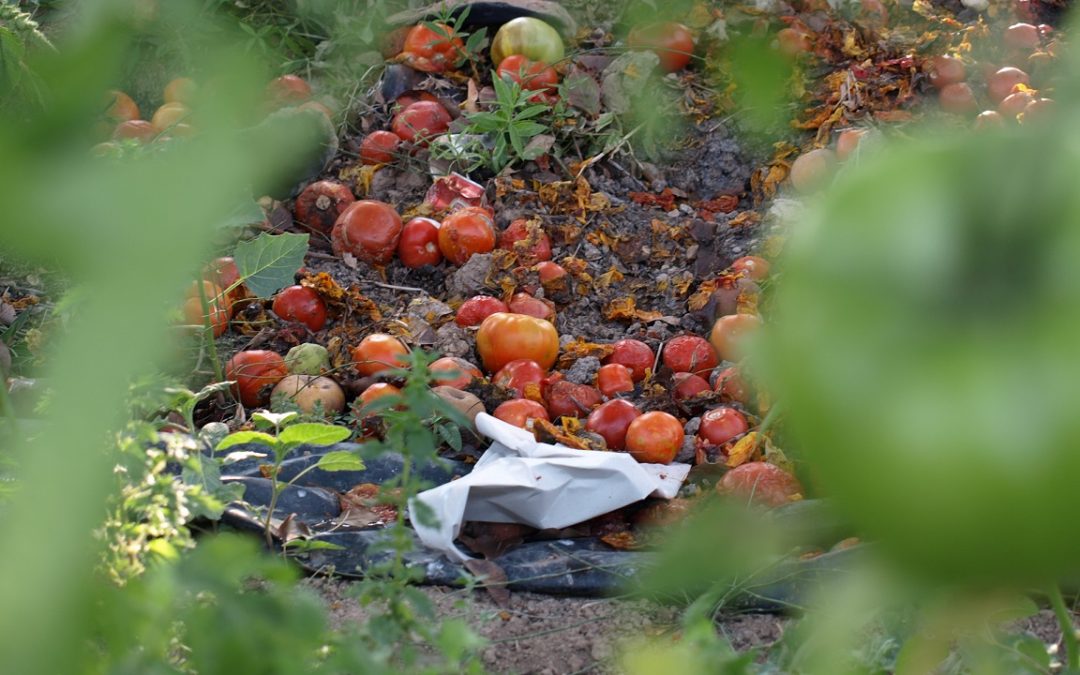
x=314, y=434
x=531, y=112
x=529, y=129
x=241, y=437
x=450, y=434
x=305, y=545
x=273, y=419
x=340, y=460
x=269, y=262
x=476, y=41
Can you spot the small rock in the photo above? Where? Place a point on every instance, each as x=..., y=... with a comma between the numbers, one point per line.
x=452, y=340
x=584, y=370
x=428, y=308
x=470, y=278
x=692, y=426
x=686, y=452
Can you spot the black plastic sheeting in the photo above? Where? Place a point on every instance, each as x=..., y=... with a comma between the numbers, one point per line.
x=582, y=566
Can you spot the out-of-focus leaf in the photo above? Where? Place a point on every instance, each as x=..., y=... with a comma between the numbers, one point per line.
x=269, y=262
x=241, y=437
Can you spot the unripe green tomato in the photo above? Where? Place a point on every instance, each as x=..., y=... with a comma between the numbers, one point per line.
x=308, y=359
x=532, y=38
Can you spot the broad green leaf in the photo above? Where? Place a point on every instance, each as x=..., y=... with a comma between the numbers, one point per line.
x=340, y=460
x=241, y=437
x=313, y=434
x=269, y=262
x=273, y=419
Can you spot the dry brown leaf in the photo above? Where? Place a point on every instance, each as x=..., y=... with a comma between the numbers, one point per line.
x=493, y=579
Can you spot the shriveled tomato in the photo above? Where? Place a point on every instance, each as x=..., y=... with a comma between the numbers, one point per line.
x=518, y=374
x=433, y=51
x=611, y=420
x=751, y=267
x=519, y=411
x=946, y=70
x=730, y=385
x=379, y=147
x=1001, y=83
x=672, y=42
x=288, y=90
x=256, y=372
x=419, y=243
x=465, y=232
x=181, y=90
x=451, y=371
x=421, y=121
x=531, y=75
x=549, y=272
x=528, y=240
x=505, y=337
x=613, y=379
x=523, y=303
x=321, y=204
x=793, y=41
x=378, y=352
x=169, y=115
x=477, y=308
x=568, y=399
x=760, y=483
x=654, y=438
x=689, y=354
x=369, y=230
x=729, y=332
x=302, y=304
x=216, y=303
x=529, y=37
x=1022, y=36
x=122, y=108
x=720, y=425
x=140, y=130
x=375, y=392
x=688, y=385
x=635, y=355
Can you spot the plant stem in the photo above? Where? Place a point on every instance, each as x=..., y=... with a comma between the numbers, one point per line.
x=208, y=335
x=1068, y=631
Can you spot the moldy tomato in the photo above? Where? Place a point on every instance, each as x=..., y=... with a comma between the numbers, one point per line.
x=528, y=240
x=379, y=147
x=451, y=371
x=689, y=354
x=613, y=379
x=433, y=51
x=531, y=75
x=320, y=205
x=378, y=352
x=419, y=243
x=519, y=411
x=302, y=304
x=720, y=425
x=465, y=232
x=518, y=374
x=529, y=37
x=420, y=121
x=369, y=230
x=477, y=308
x=611, y=420
x=635, y=355
x=505, y=337
x=654, y=438
x=255, y=372
x=672, y=42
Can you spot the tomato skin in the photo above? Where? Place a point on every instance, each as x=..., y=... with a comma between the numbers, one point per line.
x=529, y=37
x=549, y=271
x=256, y=372
x=419, y=243
x=320, y=205
x=613, y=379
x=760, y=483
x=430, y=52
x=181, y=90
x=720, y=425
x=612, y=420
x=466, y=372
x=379, y=147
x=730, y=331
x=302, y=304
x=672, y=42
x=523, y=303
x=140, y=130
x=688, y=385
x=528, y=240
x=751, y=267
x=945, y=70
x=635, y=355
x=519, y=411
x=729, y=384
x=169, y=115
x=465, y=232
x=689, y=354
x=1039, y=109
x=531, y=75
x=369, y=230
x=504, y=337
x=288, y=90
x=654, y=438
x=568, y=399
x=216, y=303
x=122, y=108
x=378, y=352
x=1001, y=83
x=518, y=374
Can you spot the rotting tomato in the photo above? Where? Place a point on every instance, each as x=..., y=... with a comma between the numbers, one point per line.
x=477, y=308
x=731, y=385
x=613, y=379
x=688, y=385
x=369, y=230
x=793, y=41
x=378, y=352
x=415, y=96
x=812, y=170
x=169, y=115
x=433, y=51
x=847, y=142
x=519, y=411
x=216, y=303
x=288, y=90
x=945, y=70
x=672, y=42
x=302, y=304
x=531, y=75
x=689, y=354
x=1001, y=83
x=321, y=204
x=529, y=37
x=504, y=337
x=523, y=303
x=635, y=355
x=730, y=331
x=760, y=483
x=654, y=438
x=140, y=130
x=122, y=108
x=375, y=392
x=379, y=147
x=1022, y=36
x=720, y=425
x=752, y=267
x=451, y=371
x=421, y=121
x=1039, y=109
x=1015, y=103
x=419, y=243
x=611, y=420
x=549, y=272
x=223, y=272
x=957, y=98
x=309, y=392
x=519, y=374
x=181, y=90
x=256, y=372
x=466, y=232
x=528, y=240
x=568, y=399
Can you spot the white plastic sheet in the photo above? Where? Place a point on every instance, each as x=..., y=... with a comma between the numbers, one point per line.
x=519, y=480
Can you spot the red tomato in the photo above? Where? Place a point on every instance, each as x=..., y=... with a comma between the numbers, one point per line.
x=989, y=119
x=689, y=354
x=216, y=303
x=549, y=271
x=688, y=385
x=122, y=108
x=450, y=371
x=531, y=75
x=181, y=90
x=568, y=399
x=526, y=238
x=793, y=41
x=611, y=420
x=720, y=425
x=613, y=379
x=1001, y=83
x=419, y=243
x=223, y=272
x=376, y=391
x=730, y=331
x=379, y=147
x=518, y=374
x=477, y=308
x=465, y=232
x=420, y=122
x=672, y=42
x=140, y=130
x=635, y=355
x=369, y=230
x=847, y=142
x=433, y=51
x=378, y=352
x=1039, y=109
x=730, y=385
x=299, y=303
x=1015, y=103
x=415, y=96
x=255, y=372
x=1022, y=36
x=946, y=70
x=654, y=438
x=523, y=303
x=751, y=267
x=320, y=205
x=812, y=170
x=519, y=411
x=505, y=337
x=288, y=90
x=760, y=483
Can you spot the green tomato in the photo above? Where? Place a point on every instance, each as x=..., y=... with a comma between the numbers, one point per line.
x=308, y=359
x=532, y=38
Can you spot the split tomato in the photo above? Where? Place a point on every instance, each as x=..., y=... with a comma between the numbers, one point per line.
x=720, y=425
x=569, y=399
x=519, y=374
x=528, y=240
x=433, y=49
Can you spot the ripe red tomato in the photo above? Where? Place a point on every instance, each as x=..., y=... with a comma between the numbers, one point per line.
x=465, y=232
x=523, y=303
x=527, y=239
x=299, y=303
x=531, y=75
x=505, y=337
x=288, y=90
x=122, y=108
x=1015, y=103
x=374, y=392
x=730, y=331
x=654, y=438
x=760, y=483
x=255, y=372
x=419, y=243
x=730, y=385
x=518, y=374
x=477, y=308
x=611, y=420
x=793, y=41
x=1022, y=36
x=568, y=399
x=519, y=411
x=369, y=230
x=672, y=42
x=689, y=354
x=613, y=379
x=549, y=272
x=989, y=119
x=433, y=51
x=420, y=122
x=378, y=352
x=688, y=385
x=180, y=90
x=946, y=70
x=320, y=205
x=379, y=147
x=635, y=355
x=216, y=303
x=1001, y=83
x=140, y=130
x=751, y=267
x=414, y=96
x=720, y=425
x=451, y=371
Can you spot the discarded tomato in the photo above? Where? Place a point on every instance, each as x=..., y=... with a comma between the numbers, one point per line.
x=223, y=272
x=654, y=438
x=122, y=108
x=793, y=41
x=1039, y=109
x=989, y=119
x=812, y=170
x=255, y=372
x=760, y=483
x=730, y=385
x=1001, y=83
x=847, y=142
x=528, y=240
x=451, y=371
x=720, y=425
x=688, y=385
x=751, y=267
x=308, y=358
x=613, y=379
x=635, y=355
x=140, y=130
x=288, y=90
x=169, y=115
x=216, y=303
x=419, y=243
x=730, y=331
x=957, y=98
x=375, y=392
x=378, y=352
x=505, y=337
x=181, y=90
x=415, y=96
x=689, y=354
x=433, y=50
x=1015, y=103
x=519, y=374
x=530, y=37
x=420, y=122
x=568, y=399
x=466, y=232
x=321, y=204
x=611, y=420
x=379, y=147
x=672, y=42
x=523, y=303
x=519, y=411
x=369, y=230
x=302, y=304
x=549, y=272
x=1022, y=36
x=945, y=70
x=311, y=393
x=531, y=75
x=477, y=308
